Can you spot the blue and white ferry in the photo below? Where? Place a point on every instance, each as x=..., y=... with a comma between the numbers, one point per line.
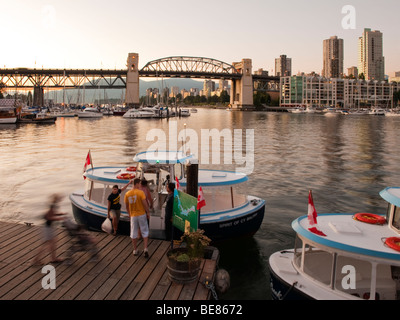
x=229, y=211
x=358, y=257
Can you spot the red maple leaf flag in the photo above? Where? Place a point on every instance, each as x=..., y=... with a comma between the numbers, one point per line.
x=177, y=183
x=87, y=163
x=312, y=213
x=312, y=216
x=201, y=201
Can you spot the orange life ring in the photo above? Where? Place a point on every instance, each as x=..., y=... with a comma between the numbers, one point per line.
x=126, y=176
x=370, y=218
x=393, y=242
x=131, y=169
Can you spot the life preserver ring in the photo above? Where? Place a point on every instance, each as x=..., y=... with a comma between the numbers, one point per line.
x=370, y=218
x=131, y=169
x=126, y=176
x=393, y=242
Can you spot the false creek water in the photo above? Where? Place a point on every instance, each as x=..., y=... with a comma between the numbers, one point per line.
x=344, y=160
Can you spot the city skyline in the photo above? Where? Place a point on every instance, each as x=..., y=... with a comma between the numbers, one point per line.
x=95, y=34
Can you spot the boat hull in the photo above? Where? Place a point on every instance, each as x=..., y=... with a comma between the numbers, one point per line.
x=281, y=290
x=246, y=224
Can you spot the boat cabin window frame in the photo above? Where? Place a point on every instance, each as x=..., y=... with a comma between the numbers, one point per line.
x=393, y=215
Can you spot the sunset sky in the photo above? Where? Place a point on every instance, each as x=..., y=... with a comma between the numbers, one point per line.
x=100, y=34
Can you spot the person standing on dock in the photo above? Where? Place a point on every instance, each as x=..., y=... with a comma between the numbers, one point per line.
x=169, y=210
x=136, y=205
x=49, y=233
x=114, y=205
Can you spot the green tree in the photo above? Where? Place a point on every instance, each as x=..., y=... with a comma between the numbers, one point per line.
x=361, y=76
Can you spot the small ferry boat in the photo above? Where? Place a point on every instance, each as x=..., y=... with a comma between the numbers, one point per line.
x=229, y=212
x=354, y=256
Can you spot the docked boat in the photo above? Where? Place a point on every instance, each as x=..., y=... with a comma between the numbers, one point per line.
x=138, y=114
x=377, y=112
x=348, y=257
x=184, y=112
x=228, y=212
x=37, y=117
x=298, y=110
x=9, y=110
x=8, y=115
x=392, y=113
x=90, y=113
x=329, y=111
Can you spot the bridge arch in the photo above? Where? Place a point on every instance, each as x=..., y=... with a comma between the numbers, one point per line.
x=190, y=67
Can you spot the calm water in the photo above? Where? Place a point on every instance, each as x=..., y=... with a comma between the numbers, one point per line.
x=345, y=160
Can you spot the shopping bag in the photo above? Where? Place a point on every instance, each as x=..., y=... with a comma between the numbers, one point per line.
x=106, y=226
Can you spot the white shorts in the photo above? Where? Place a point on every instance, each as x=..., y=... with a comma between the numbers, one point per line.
x=137, y=223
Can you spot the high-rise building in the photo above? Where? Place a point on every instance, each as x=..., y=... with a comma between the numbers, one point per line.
x=371, y=61
x=332, y=57
x=283, y=66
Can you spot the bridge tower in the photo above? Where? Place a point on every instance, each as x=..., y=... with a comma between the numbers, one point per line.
x=242, y=89
x=132, y=80
x=38, y=96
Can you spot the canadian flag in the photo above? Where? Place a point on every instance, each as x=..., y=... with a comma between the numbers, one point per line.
x=201, y=201
x=177, y=183
x=87, y=163
x=312, y=216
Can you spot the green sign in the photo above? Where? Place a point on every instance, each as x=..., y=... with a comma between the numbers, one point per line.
x=185, y=211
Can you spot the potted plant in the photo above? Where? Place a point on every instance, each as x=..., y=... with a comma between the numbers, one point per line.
x=184, y=262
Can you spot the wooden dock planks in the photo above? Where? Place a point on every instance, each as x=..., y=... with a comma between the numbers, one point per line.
x=115, y=275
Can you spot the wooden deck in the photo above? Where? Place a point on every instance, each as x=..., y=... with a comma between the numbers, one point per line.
x=116, y=275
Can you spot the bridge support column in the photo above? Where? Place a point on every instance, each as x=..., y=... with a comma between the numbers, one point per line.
x=132, y=80
x=242, y=90
x=38, y=96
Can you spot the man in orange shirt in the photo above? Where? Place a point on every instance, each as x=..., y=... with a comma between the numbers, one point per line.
x=138, y=209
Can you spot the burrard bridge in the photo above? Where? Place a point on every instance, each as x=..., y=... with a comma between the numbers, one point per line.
x=243, y=81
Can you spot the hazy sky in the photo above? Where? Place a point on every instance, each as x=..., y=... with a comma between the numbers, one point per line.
x=99, y=33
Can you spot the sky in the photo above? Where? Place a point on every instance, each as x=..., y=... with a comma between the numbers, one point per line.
x=99, y=34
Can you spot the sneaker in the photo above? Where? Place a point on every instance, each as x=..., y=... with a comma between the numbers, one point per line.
x=146, y=253
x=135, y=252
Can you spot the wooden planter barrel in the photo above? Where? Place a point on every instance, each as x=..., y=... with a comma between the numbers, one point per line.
x=182, y=272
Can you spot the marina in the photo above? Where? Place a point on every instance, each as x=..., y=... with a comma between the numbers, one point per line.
x=115, y=275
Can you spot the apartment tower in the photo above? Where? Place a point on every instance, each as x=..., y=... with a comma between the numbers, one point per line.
x=371, y=61
x=283, y=66
x=333, y=57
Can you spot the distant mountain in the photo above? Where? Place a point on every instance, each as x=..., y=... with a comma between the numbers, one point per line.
x=76, y=95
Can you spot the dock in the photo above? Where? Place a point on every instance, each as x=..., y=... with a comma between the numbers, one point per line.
x=116, y=274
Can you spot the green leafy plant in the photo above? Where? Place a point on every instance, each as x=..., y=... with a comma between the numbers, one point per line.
x=195, y=243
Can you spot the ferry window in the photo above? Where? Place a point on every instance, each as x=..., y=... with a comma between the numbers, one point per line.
x=178, y=171
x=318, y=264
x=396, y=218
x=353, y=276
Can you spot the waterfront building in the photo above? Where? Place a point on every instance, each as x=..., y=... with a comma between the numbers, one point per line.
x=352, y=71
x=333, y=57
x=371, y=61
x=283, y=66
x=208, y=87
x=344, y=93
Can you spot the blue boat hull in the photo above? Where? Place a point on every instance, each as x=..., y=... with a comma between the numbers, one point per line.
x=244, y=225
